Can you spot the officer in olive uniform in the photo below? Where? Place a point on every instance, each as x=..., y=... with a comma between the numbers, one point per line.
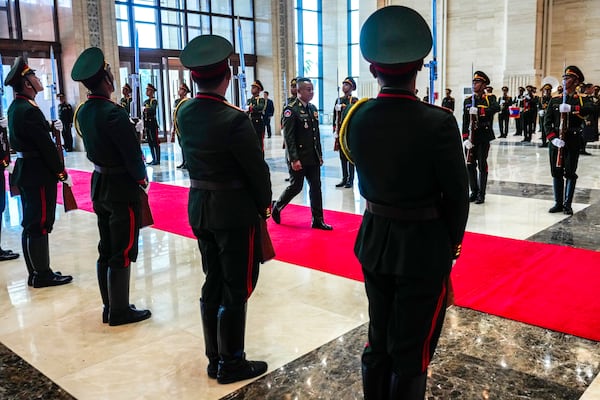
x=37, y=170
x=504, y=116
x=126, y=100
x=415, y=185
x=448, y=101
x=230, y=192
x=305, y=157
x=65, y=114
x=565, y=145
x=119, y=176
x=340, y=110
x=256, y=110
x=477, y=135
x=151, y=124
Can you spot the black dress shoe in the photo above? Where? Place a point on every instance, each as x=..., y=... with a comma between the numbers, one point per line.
x=480, y=199
x=556, y=208
x=320, y=224
x=6, y=255
x=472, y=197
x=128, y=316
x=341, y=184
x=105, y=313
x=50, y=278
x=568, y=210
x=287, y=179
x=348, y=185
x=181, y=166
x=155, y=162
x=275, y=213
x=240, y=370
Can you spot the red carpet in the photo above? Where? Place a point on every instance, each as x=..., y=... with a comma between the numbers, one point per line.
x=555, y=287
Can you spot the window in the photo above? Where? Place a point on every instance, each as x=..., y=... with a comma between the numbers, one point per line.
x=353, y=39
x=309, y=46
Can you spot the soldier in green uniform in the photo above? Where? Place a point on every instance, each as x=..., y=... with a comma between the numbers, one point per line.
x=182, y=92
x=126, y=100
x=151, y=124
x=412, y=174
x=340, y=110
x=477, y=135
x=37, y=170
x=304, y=154
x=256, y=110
x=544, y=101
x=65, y=114
x=565, y=145
x=448, y=101
x=111, y=143
x=230, y=193
x=504, y=116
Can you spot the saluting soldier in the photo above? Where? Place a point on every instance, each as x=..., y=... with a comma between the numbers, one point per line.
x=477, y=135
x=256, y=110
x=504, y=116
x=304, y=154
x=111, y=143
x=230, y=192
x=37, y=170
x=65, y=114
x=340, y=110
x=564, y=146
x=424, y=211
x=151, y=124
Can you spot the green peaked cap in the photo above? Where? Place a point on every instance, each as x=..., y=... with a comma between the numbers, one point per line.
x=204, y=51
x=395, y=35
x=18, y=70
x=88, y=64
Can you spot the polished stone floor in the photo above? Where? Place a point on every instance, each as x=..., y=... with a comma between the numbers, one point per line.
x=308, y=325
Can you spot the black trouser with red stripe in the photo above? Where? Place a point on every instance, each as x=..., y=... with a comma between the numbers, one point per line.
x=405, y=321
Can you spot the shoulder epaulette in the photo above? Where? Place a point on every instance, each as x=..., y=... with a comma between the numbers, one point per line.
x=75, y=122
x=344, y=127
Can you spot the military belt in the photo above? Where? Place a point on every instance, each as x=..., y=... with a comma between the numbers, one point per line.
x=404, y=214
x=211, y=185
x=28, y=154
x=109, y=170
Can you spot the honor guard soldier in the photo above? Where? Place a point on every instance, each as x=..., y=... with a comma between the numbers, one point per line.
x=563, y=122
x=182, y=93
x=477, y=135
x=230, y=192
x=518, y=101
x=256, y=110
x=504, y=116
x=111, y=143
x=37, y=170
x=340, y=110
x=151, y=124
x=415, y=185
x=544, y=102
x=448, y=101
x=304, y=154
x=65, y=114
x=126, y=100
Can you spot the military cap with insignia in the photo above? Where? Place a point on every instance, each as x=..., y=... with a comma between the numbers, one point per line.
x=206, y=56
x=574, y=71
x=349, y=80
x=151, y=87
x=395, y=39
x=90, y=67
x=18, y=71
x=258, y=84
x=293, y=82
x=60, y=95
x=547, y=86
x=504, y=87
x=481, y=76
x=127, y=86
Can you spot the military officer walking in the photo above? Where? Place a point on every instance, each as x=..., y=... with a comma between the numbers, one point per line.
x=111, y=143
x=230, y=193
x=305, y=157
x=37, y=170
x=414, y=222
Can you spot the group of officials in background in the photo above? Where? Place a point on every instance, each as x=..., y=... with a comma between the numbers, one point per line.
x=406, y=280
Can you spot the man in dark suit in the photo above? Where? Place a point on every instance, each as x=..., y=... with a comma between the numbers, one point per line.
x=230, y=194
x=269, y=112
x=304, y=154
x=37, y=170
x=416, y=206
x=119, y=176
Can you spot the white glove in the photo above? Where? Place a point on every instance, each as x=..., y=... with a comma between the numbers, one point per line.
x=68, y=181
x=541, y=113
x=147, y=188
x=58, y=125
x=468, y=145
x=139, y=126
x=3, y=123
x=338, y=107
x=558, y=142
x=502, y=102
x=10, y=168
x=473, y=110
x=564, y=108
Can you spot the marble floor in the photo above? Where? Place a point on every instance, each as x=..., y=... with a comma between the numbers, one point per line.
x=308, y=325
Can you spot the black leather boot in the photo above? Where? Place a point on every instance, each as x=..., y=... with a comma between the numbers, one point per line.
x=408, y=388
x=275, y=212
x=342, y=183
x=350, y=180
x=102, y=273
x=233, y=365
x=559, y=188
x=482, y=186
x=570, y=192
x=120, y=311
x=30, y=270
x=376, y=382
x=473, y=183
x=43, y=276
x=156, y=161
x=209, y=313
x=152, y=154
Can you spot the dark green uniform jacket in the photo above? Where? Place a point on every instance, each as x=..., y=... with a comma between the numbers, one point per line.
x=111, y=142
x=487, y=107
x=221, y=147
x=409, y=156
x=301, y=133
x=30, y=134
